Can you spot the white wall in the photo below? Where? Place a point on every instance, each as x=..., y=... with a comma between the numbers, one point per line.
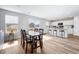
x=76, y=25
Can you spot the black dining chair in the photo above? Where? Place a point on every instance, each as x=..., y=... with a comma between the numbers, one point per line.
x=38, y=39
x=31, y=40
x=41, y=31
x=23, y=38
x=41, y=41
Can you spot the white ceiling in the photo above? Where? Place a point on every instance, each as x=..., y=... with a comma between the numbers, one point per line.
x=50, y=12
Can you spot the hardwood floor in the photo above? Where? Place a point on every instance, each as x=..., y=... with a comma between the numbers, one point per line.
x=51, y=45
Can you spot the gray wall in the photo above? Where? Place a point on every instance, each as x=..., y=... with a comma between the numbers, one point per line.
x=23, y=21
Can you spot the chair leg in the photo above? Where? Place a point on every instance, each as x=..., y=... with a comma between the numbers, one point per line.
x=21, y=41
x=31, y=48
x=26, y=47
x=36, y=44
x=23, y=44
x=41, y=44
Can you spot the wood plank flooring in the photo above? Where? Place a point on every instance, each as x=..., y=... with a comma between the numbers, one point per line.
x=51, y=45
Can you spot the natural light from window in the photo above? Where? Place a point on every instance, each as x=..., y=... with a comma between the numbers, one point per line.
x=9, y=19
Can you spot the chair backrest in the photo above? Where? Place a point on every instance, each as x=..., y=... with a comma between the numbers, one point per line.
x=41, y=31
x=23, y=34
x=26, y=36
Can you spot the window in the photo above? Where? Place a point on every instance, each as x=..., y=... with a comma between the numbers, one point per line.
x=11, y=19
x=11, y=23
